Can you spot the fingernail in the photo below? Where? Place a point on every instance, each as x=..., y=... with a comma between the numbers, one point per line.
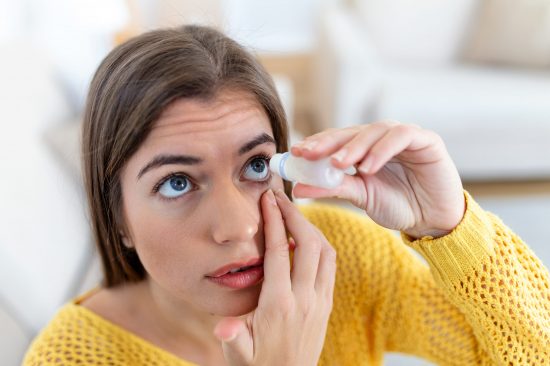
x=340, y=155
x=366, y=165
x=231, y=337
x=308, y=145
x=271, y=197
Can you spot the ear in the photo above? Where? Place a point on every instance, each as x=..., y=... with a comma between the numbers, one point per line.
x=125, y=240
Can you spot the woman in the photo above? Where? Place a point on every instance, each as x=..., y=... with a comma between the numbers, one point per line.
x=196, y=236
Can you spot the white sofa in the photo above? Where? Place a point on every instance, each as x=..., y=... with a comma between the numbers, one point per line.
x=402, y=60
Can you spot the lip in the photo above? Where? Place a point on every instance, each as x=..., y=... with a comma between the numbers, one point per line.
x=228, y=267
x=240, y=280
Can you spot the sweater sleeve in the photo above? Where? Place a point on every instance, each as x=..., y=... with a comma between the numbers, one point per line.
x=483, y=298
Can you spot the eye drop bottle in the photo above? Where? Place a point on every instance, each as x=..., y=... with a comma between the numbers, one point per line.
x=319, y=173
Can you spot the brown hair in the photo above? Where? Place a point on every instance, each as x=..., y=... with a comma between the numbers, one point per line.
x=128, y=92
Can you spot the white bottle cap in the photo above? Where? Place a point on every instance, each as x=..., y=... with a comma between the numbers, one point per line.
x=277, y=164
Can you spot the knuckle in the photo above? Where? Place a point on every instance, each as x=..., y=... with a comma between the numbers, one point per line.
x=329, y=301
x=321, y=136
x=321, y=235
x=332, y=263
x=379, y=128
x=374, y=152
x=278, y=248
x=330, y=137
x=331, y=255
x=285, y=305
x=278, y=244
x=318, y=231
x=328, y=295
x=316, y=248
x=435, y=136
x=307, y=307
x=354, y=128
x=390, y=123
x=404, y=129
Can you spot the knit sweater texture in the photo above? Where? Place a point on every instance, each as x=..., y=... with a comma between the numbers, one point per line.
x=477, y=296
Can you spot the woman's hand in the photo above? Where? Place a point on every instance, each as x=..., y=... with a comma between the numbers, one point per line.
x=406, y=180
x=289, y=325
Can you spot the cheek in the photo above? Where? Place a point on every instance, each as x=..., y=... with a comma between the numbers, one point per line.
x=167, y=247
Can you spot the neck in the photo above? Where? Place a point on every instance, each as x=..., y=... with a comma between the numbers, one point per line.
x=180, y=326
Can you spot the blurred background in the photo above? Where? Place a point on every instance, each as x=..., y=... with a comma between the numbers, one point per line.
x=475, y=71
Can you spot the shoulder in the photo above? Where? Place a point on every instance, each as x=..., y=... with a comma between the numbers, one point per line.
x=90, y=331
x=63, y=340
x=76, y=335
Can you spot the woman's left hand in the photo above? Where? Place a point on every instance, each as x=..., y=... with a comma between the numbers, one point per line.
x=406, y=179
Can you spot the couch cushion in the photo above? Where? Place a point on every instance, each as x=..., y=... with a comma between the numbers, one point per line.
x=496, y=123
x=13, y=338
x=427, y=32
x=511, y=32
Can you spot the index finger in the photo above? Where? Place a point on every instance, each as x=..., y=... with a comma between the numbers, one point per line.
x=276, y=257
x=308, y=245
x=323, y=143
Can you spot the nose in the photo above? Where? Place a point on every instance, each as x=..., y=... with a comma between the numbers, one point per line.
x=234, y=215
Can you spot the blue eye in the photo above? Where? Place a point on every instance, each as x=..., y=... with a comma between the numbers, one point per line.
x=175, y=186
x=257, y=169
x=178, y=184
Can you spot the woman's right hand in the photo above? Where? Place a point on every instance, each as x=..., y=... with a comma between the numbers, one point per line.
x=289, y=325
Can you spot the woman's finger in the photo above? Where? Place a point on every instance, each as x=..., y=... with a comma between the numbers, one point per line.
x=237, y=343
x=394, y=142
x=308, y=245
x=323, y=143
x=326, y=273
x=276, y=257
x=355, y=150
x=331, y=141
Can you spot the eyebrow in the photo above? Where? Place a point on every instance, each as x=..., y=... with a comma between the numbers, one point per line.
x=161, y=160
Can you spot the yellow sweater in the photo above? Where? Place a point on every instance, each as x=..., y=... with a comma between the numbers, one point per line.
x=484, y=299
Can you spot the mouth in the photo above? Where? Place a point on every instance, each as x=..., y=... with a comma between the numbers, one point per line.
x=236, y=267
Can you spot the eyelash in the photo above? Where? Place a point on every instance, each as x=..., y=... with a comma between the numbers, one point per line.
x=157, y=186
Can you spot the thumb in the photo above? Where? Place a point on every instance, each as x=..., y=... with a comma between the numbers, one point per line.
x=236, y=341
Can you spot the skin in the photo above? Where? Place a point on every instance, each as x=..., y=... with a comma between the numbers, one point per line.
x=220, y=221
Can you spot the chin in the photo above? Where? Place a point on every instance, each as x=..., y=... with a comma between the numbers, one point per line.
x=237, y=303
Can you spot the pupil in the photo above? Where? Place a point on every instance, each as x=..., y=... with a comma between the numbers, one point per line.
x=258, y=165
x=178, y=184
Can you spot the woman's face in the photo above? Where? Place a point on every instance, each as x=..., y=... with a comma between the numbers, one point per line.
x=191, y=198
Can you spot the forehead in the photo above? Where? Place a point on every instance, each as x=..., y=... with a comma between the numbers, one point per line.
x=227, y=115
